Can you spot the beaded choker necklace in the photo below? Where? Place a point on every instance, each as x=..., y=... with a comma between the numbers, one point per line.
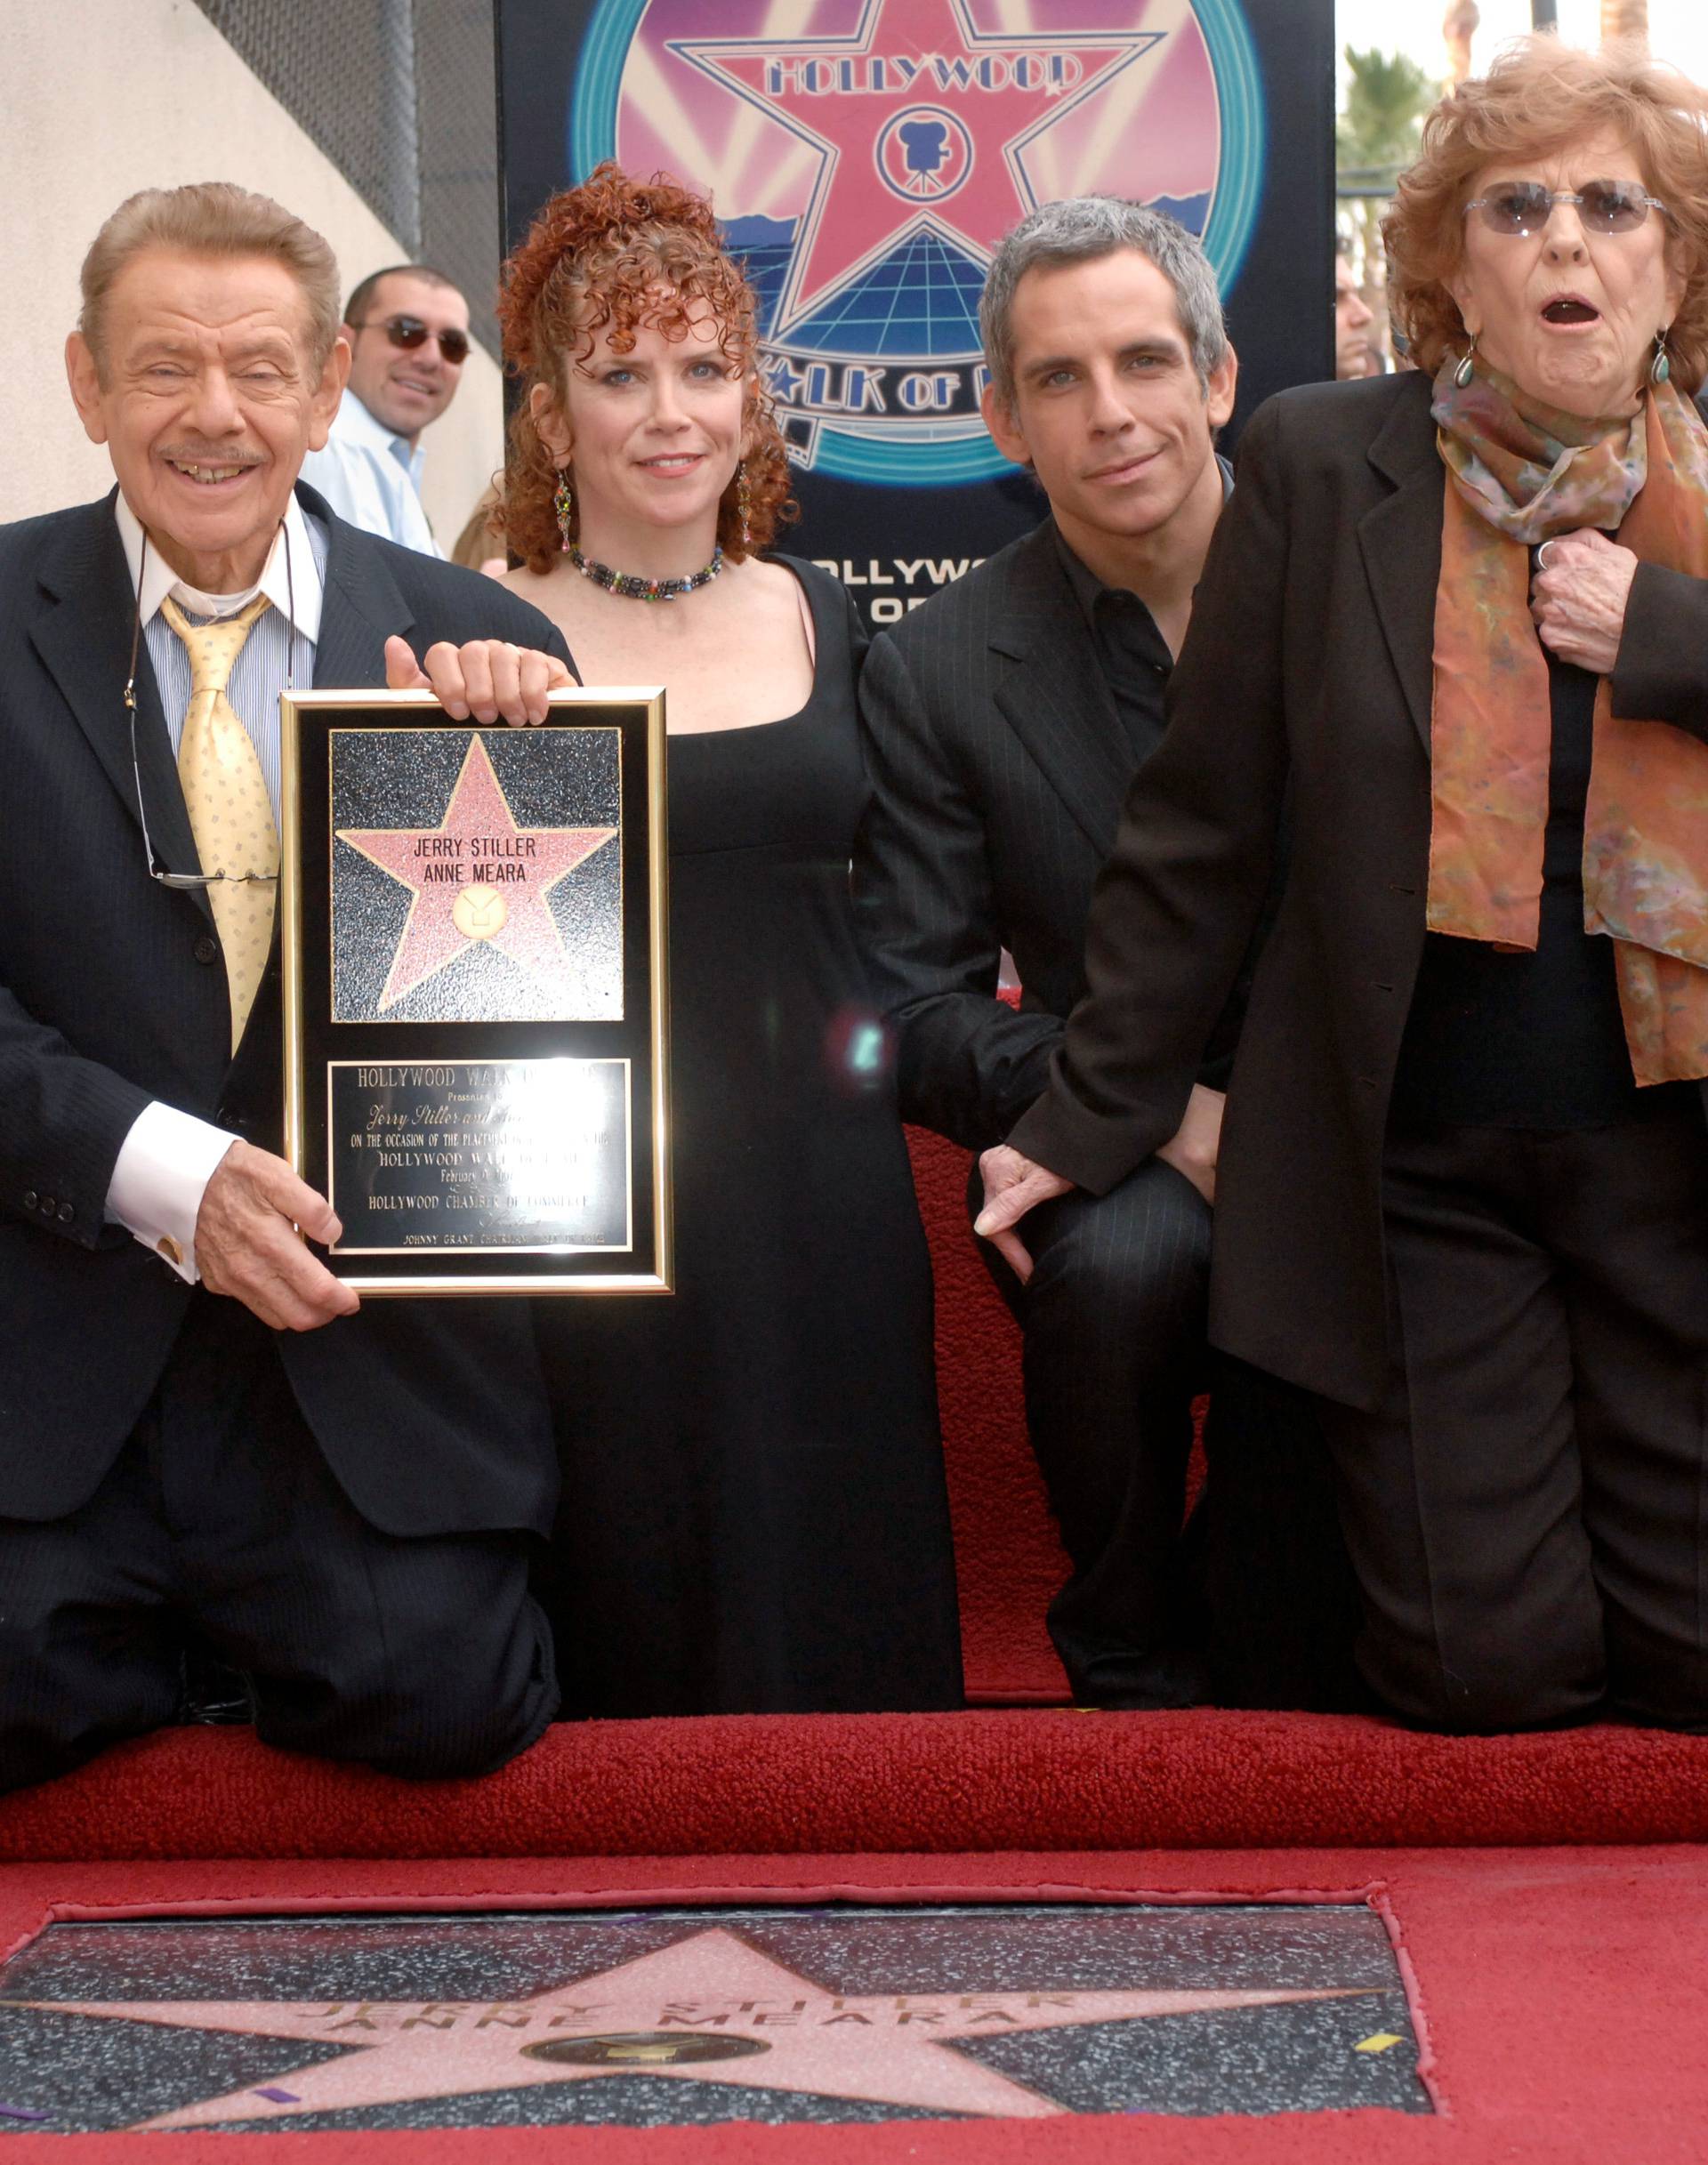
x=633, y=588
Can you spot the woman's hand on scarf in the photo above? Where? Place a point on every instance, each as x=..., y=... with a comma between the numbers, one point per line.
x=1578, y=599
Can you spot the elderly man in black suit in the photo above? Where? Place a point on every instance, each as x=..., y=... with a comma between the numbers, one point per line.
x=201, y=1432
x=1004, y=723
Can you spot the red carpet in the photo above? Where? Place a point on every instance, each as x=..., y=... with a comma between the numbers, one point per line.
x=1007, y=1560
x=1032, y=1779
x=1562, y=1994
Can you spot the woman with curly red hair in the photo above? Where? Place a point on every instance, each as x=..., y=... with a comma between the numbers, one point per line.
x=754, y=1517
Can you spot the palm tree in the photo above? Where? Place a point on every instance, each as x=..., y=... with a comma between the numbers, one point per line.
x=1459, y=26
x=1387, y=96
x=1627, y=19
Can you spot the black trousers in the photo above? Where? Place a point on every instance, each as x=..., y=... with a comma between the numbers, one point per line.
x=1113, y=1319
x=1527, y=1504
x=1254, y=1605
x=421, y=1657
x=1280, y=1599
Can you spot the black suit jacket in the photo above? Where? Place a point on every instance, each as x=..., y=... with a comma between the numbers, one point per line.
x=998, y=769
x=430, y=1413
x=1307, y=673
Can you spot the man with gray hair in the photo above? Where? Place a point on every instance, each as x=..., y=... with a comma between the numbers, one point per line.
x=206, y=1431
x=1003, y=721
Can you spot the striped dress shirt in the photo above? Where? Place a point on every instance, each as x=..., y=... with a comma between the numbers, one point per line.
x=275, y=654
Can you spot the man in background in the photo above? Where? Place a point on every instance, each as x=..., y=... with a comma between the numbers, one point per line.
x=1354, y=356
x=407, y=328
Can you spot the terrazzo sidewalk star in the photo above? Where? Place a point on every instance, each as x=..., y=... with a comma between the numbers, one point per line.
x=874, y=2047
x=477, y=877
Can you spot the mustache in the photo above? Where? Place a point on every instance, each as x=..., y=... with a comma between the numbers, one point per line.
x=213, y=455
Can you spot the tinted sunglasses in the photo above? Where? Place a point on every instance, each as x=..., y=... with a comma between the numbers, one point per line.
x=410, y=331
x=1520, y=208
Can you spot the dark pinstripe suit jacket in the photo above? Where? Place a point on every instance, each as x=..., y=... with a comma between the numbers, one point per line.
x=998, y=769
x=431, y=1414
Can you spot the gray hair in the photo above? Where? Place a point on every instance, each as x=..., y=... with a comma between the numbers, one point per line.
x=210, y=218
x=1077, y=230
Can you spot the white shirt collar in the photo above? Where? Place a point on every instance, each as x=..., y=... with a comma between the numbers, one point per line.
x=277, y=583
x=359, y=421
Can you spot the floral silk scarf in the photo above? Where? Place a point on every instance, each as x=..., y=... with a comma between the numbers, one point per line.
x=1519, y=473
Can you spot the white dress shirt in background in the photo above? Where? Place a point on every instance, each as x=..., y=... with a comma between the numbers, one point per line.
x=372, y=477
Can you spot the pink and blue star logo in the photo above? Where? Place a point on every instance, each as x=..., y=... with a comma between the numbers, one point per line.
x=867, y=158
x=924, y=154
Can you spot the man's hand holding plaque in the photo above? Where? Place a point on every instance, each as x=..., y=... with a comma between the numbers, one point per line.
x=246, y=1243
x=487, y=681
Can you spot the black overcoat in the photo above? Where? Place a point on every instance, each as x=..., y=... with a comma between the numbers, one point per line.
x=1305, y=680
x=430, y=1412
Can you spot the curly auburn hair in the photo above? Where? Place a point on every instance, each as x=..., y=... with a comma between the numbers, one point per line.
x=1538, y=96
x=605, y=259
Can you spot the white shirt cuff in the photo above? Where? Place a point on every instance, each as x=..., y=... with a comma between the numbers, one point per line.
x=163, y=1165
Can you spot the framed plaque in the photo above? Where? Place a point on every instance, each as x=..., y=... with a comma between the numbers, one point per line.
x=473, y=938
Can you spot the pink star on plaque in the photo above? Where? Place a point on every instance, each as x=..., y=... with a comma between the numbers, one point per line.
x=476, y=878
x=922, y=123
x=710, y=2007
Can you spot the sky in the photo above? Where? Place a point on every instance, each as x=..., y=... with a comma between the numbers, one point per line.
x=1678, y=30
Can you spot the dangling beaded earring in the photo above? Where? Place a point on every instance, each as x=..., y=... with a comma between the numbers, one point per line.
x=1467, y=368
x=1661, y=367
x=563, y=503
x=744, y=505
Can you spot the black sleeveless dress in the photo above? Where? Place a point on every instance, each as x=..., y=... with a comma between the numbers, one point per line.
x=754, y=1515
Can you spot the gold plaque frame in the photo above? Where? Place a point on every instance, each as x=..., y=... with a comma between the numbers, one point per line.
x=318, y=1043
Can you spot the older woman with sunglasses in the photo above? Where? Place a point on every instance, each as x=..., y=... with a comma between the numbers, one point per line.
x=1458, y=620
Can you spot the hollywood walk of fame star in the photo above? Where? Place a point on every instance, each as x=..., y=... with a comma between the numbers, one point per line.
x=476, y=878
x=710, y=2007
x=852, y=217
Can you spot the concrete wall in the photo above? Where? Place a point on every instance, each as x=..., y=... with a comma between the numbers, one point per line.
x=103, y=97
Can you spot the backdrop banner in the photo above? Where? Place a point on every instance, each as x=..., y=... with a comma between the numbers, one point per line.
x=865, y=156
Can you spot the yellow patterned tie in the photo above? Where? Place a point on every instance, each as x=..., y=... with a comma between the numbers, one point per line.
x=225, y=791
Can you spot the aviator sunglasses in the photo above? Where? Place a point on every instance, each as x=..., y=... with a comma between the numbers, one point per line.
x=410, y=331
x=1520, y=208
